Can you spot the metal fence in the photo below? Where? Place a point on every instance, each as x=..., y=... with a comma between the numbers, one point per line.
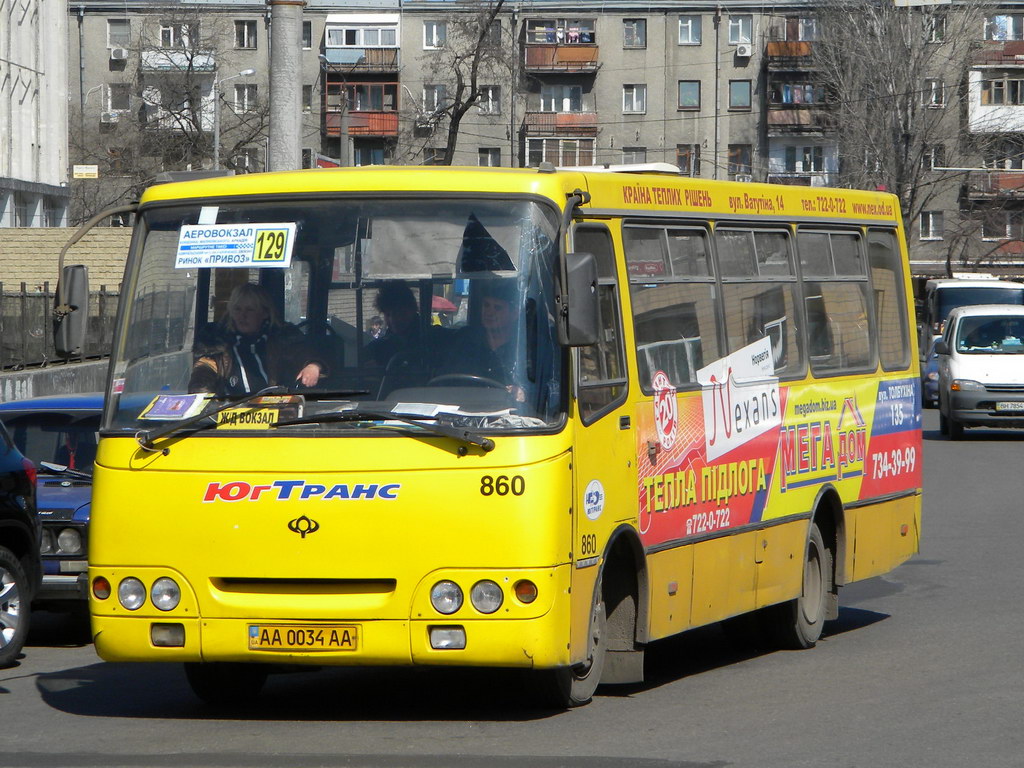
x=26, y=326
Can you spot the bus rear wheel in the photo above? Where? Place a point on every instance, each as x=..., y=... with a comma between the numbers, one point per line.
x=799, y=623
x=575, y=686
x=225, y=683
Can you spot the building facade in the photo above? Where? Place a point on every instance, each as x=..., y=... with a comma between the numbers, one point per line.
x=33, y=115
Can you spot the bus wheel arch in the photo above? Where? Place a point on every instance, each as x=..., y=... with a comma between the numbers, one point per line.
x=623, y=585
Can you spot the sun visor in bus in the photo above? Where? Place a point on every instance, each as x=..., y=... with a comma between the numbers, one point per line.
x=480, y=252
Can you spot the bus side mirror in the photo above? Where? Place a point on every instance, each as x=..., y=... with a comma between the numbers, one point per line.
x=582, y=317
x=941, y=347
x=71, y=311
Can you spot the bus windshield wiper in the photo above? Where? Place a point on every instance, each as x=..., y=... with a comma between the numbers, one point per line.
x=147, y=437
x=414, y=419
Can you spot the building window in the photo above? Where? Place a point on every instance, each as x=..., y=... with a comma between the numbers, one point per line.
x=739, y=94
x=689, y=30
x=740, y=160
x=634, y=154
x=245, y=98
x=936, y=28
x=561, y=31
x=805, y=160
x=489, y=157
x=119, y=97
x=307, y=35
x=364, y=97
x=741, y=29
x=245, y=34
x=689, y=94
x=307, y=98
x=1000, y=225
x=490, y=100
x=1008, y=154
x=493, y=37
x=796, y=93
x=247, y=160
x=433, y=156
x=53, y=212
x=933, y=92
x=22, y=210
x=688, y=159
x=1005, y=26
x=179, y=35
x=119, y=33
x=560, y=152
x=931, y=225
x=933, y=156
x=1002, y=90
x=435, y=33
x=362, y=37
x=434, y=97
x=634, y=33
x=634, y=99
x=561, y=98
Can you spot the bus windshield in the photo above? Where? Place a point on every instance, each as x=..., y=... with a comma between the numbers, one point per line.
x=949, y=298
x=442, y=309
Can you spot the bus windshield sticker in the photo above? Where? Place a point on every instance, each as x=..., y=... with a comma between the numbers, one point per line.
x=208, y=214
x=259, y=246
x=174, y=407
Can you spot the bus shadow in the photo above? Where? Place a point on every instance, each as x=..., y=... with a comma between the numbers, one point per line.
x=721, y=645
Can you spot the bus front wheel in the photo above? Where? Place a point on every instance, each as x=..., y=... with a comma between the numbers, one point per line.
x=798, y=623
x=225, y=683
x=575, y=686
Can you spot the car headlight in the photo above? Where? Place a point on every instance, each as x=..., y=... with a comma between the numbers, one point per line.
x=966, y=385
x=446, y=597
x=933, y=376
x=46, y=542
x=69, y=541
x=166, y=594
x=131, y=593
x=486, y=596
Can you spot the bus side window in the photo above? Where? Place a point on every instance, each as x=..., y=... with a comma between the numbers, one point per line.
x=602, y=367
x=675, y=313
x=888, y=286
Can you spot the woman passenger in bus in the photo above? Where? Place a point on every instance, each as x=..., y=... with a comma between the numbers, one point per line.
x=252, y=348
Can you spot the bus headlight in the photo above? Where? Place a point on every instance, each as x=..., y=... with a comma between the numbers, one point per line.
x=446, y=597
x=69, y=541
x=486, y=596
x=131, y=593
x=166, y=594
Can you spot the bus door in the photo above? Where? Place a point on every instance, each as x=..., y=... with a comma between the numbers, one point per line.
x=604, y=456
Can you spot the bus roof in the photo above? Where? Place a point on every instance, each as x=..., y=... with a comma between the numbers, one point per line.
x=611, y=192
x=980, y=282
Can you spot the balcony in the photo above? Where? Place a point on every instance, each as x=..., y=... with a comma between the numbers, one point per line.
x=1007, y=53
x=788, y=55
x=362, y=123
x=560, y=124
x=177, y=60
x=561, y=59
x=362, y=59
x=796, y=120
x=988, y=185
x=797, y=179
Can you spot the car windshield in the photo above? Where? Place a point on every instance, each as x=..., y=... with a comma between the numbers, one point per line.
x=991, y=335
x=950, y=297
x=440, y=309
x=67, y=439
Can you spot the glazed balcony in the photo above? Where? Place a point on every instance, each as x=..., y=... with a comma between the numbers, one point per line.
x=561, y=59
x=362, y=60
x=560, y=124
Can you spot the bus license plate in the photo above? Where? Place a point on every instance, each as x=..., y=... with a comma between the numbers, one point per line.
x=1010, y=406
x=304, y=637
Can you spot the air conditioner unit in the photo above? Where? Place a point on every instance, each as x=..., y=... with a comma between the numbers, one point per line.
x=744, y=50
x=110, y=117
x=118, y=54
x=744, y=177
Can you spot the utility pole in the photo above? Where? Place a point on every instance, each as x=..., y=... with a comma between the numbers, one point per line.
x=285, y=84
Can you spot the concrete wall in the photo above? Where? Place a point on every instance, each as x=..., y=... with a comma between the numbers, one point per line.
x=54, y=380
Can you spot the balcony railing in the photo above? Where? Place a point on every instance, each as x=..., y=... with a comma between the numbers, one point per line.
x=800, y=179
x=562, y=58
x=788, y=54
x=560, y=123
x=1004, y=184
x=362, y=59
x=362, y=123
x=177, y=60
x=793, y=119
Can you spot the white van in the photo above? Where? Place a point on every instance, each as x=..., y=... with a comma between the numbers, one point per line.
x=941, y=296
x=981, y=368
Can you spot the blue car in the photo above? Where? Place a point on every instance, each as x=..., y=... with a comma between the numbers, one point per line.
x=58, y=433
x=930, y=377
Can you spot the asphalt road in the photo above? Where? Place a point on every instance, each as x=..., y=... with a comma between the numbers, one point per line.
x=922, y=668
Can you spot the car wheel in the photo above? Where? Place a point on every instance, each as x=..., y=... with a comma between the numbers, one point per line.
x=14, y=607
x=943, y=421
x=956, y=430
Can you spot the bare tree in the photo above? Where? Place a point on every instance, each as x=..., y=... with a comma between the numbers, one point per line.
x=477, y=53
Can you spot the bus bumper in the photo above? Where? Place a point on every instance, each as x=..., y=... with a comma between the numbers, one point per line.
x=492, y=642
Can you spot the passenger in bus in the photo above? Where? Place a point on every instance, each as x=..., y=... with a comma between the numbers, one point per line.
x=252, y=348
x=487, y=348
x=402, y=330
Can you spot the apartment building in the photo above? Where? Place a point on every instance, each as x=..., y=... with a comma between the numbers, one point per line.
x=33, y=115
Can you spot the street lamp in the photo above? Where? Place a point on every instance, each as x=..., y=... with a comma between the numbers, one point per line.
x=217, y=82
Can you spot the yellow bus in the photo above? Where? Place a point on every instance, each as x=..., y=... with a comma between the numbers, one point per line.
x=508, y=418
